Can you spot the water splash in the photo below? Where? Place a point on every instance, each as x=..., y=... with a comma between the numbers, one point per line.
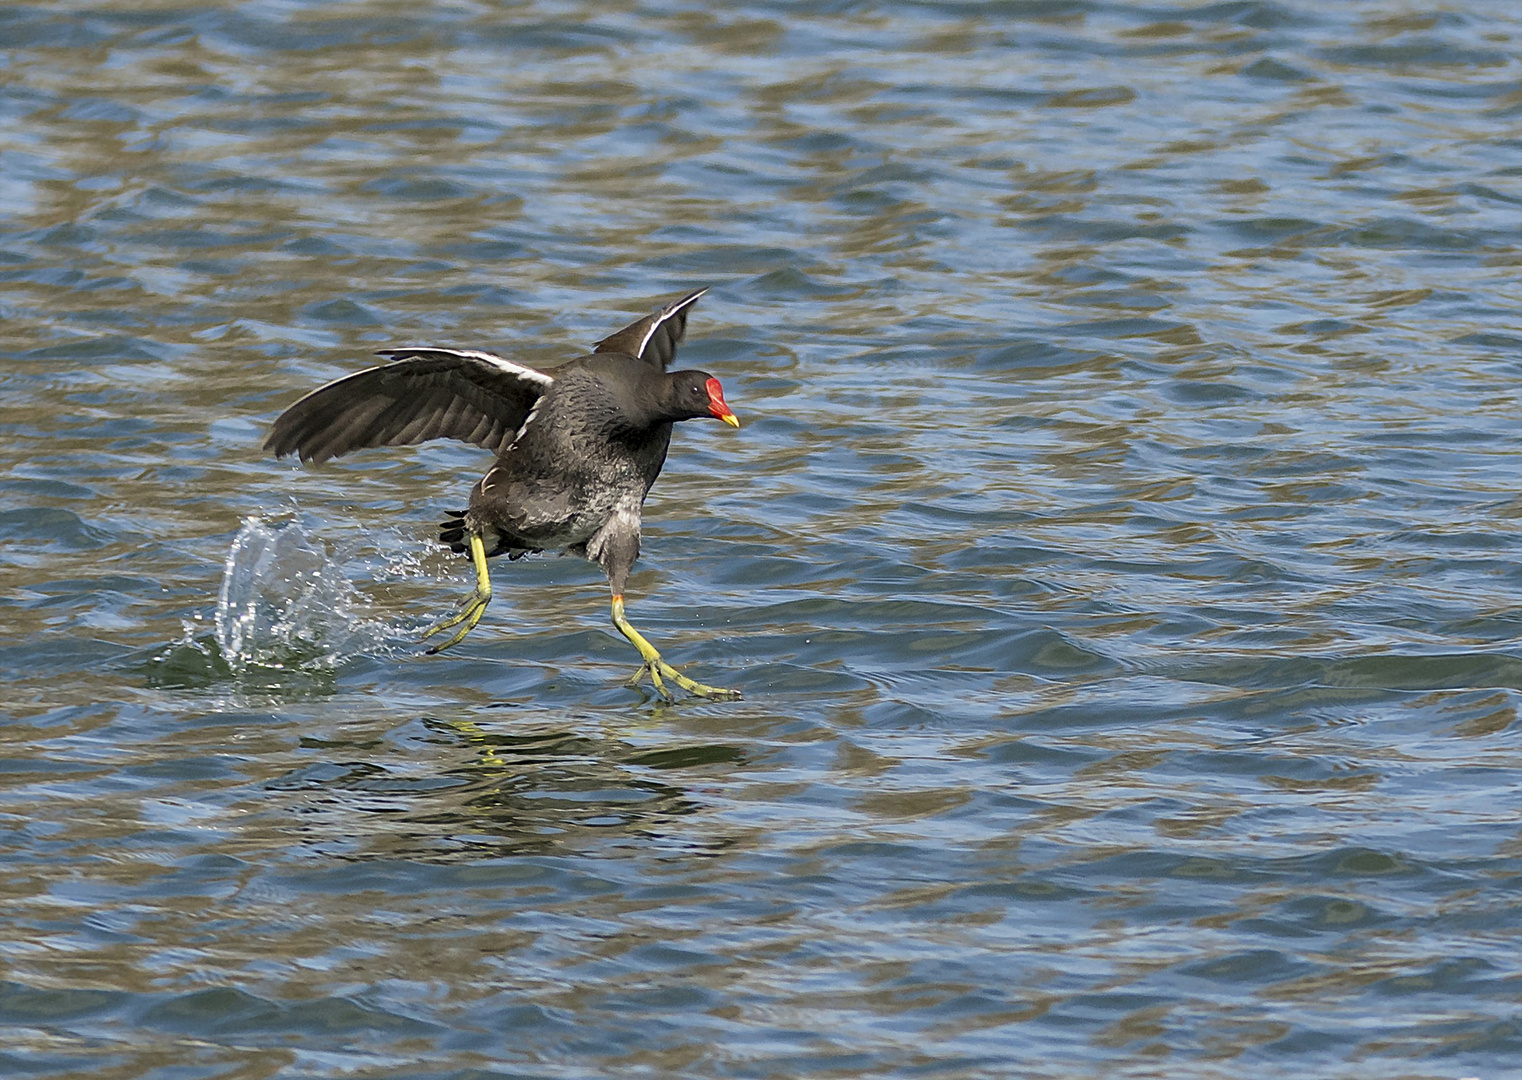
x=291, y=610
x=286, y=602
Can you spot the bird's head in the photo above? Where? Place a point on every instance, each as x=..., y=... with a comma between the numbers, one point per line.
x=691, y=394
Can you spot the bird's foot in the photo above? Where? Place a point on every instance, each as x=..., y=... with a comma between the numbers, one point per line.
x=469, y=613
x=474, y=607
x=659, y=671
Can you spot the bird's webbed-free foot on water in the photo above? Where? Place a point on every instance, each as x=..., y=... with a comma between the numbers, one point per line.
x=473, y=608
x=657, y=668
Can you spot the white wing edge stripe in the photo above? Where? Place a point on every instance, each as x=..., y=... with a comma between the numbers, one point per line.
x=499, y=362
x=531, y=374
x=663, y=316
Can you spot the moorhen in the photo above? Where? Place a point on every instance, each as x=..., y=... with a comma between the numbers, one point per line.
x=577, y=447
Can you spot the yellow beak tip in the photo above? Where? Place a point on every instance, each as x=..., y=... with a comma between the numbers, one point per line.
x=731, y=419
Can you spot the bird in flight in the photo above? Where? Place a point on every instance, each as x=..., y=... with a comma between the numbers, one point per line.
x=578, y=447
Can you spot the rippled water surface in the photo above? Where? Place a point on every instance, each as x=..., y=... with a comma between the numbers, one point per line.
x=1119, y=558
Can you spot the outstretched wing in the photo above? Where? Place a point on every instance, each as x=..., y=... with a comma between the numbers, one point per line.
x=476, y=397
x=653, y=338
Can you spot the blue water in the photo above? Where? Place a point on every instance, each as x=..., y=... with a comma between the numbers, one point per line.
x=1118, y=557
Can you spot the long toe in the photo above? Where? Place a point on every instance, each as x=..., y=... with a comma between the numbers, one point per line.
x=660, y=684
x=717, y=693
x=469, y=615
x=659, y=670
x=462, y=613
x=638, y=676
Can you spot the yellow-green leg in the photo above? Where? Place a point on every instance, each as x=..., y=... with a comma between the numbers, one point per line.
x=475, y=604
x=657, y=668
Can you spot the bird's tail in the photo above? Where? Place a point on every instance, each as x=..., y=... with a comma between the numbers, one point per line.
x=452, y=531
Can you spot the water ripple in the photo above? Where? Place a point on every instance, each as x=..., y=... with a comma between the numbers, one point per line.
x=1115, y=558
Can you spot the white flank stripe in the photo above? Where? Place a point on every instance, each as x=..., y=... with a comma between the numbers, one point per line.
x=527, y=420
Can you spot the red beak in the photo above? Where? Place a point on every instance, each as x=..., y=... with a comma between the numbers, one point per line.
x=718, y=406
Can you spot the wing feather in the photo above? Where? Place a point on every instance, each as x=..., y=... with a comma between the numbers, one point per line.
x=424, y=393
x=655, y=337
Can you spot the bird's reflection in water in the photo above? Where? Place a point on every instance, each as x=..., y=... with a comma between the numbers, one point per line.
x=541, y=792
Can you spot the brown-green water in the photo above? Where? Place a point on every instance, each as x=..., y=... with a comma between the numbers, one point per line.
x=1119, y=558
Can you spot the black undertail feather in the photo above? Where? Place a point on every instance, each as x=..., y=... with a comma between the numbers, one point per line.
x=452, y=531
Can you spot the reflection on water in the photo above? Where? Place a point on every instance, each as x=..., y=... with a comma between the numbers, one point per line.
x=1118, y=558
x=533, y=789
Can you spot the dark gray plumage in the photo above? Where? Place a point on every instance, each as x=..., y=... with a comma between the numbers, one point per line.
x=427, y=393
x=578, y=447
